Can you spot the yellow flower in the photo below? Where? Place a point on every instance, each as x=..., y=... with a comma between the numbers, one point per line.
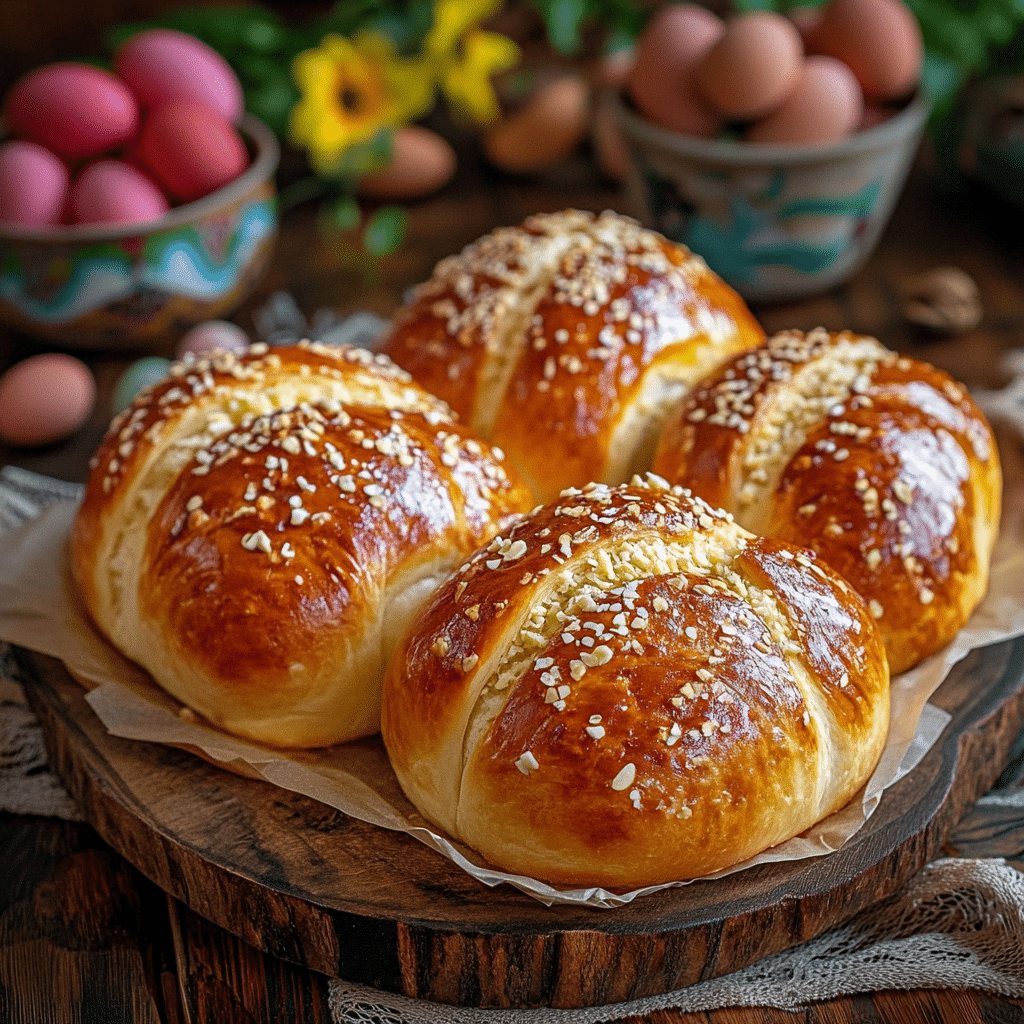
x=351, y=91
x=466, y=57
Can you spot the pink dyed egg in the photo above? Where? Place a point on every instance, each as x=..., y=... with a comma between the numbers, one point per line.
x=44, y=399
x=190, y=149
x=111, y=191
x=75, y=110
x=33, y=184
x=162, y=64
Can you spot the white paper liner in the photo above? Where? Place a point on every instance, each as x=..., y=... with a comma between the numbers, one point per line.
x=40, y=610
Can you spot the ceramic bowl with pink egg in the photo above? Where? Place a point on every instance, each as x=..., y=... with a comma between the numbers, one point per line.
x=776, y=221
x=133, y=286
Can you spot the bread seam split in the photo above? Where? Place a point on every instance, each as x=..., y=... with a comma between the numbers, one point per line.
x=258, y=530
x=816, y=381
x=627, y=687
x=506, y=349
x=198, y=426
x=568, y=594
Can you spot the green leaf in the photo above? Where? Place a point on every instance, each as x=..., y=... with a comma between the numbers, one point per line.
x=345, y=213
x=969, y=35
x=258, y=69
x=564, y=18
x=363, y=157
x=264, y=36
x=940, y=78
x=272, y=103
x=406, y=22
x=301, y=191
x=385, y=230
x=231, y=30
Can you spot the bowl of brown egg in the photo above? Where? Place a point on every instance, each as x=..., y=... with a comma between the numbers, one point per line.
x=774, y=146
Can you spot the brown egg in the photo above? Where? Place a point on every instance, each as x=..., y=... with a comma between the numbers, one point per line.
x=753, y=66
x=879, y=39
x=806, y=20
x=552, y=123
x=874, y=114
x=422, y=162
x=826, y=105
x=660, y=82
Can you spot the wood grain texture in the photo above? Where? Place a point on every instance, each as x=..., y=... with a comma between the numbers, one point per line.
x=224, y=979
x=83, y=937
x=304, y=883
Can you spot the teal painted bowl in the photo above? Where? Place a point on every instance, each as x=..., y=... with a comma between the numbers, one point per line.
x=142, y=286
x=776, y=222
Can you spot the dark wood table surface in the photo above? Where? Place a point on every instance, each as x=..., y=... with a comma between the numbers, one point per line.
x=85, y=937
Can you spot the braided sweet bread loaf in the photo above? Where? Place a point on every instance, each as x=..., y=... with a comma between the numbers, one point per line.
x=566, y=339
x=258, y=530
x=627, y=688
x=882, y=464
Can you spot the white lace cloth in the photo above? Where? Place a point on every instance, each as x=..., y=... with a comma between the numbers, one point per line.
x=959, y=923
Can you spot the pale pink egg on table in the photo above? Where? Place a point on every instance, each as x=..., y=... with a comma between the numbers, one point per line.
x=44, y=399
x=33, y=184
x=75, y=110
x=163, y=64
x=213, y=336
x=880, y=40
x=190, y=149
x=826, y=105
x=753, y=66
x=660, y=80
x=114, y=192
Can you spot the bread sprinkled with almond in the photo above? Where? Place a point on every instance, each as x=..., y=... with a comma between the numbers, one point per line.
x=565, y=340
x=627, y=688
x=258, y=530
x=881, y=463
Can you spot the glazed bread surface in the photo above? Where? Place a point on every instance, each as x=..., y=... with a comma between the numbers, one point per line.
x=257, y=531
x=564, y=340
x=881, y=463
x=627, y=688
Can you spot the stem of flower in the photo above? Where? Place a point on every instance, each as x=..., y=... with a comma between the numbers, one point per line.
x=301, y=191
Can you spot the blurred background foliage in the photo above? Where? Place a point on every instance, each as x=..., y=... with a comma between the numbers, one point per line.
x=967, y=43
x=261, y=43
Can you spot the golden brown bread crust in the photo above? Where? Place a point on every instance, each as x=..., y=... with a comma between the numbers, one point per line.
x=565, y=340
x=626, y=688
x=882, y=464
x=261, y=565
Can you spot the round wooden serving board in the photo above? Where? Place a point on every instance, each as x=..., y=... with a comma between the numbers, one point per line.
x=304, y=882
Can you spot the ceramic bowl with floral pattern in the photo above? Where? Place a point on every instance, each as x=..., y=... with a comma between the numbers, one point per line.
x=134, y=286
x=777, y=222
